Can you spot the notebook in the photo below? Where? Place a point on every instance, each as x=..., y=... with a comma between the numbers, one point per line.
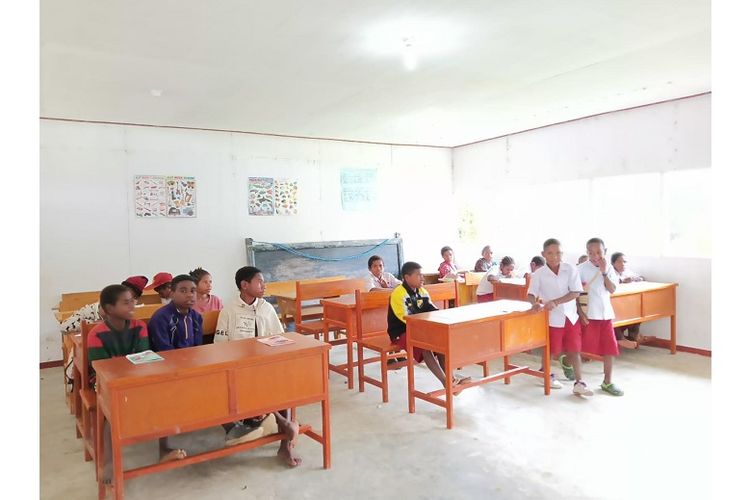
x=140, y=358
x=275, y=340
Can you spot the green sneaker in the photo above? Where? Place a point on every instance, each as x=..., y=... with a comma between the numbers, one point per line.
x=612, y=389
x=567, y=369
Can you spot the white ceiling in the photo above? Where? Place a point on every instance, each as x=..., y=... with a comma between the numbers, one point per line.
x=317, y=68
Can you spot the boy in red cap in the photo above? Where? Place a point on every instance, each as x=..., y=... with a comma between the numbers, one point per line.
x=162, y=284
x=91, y=313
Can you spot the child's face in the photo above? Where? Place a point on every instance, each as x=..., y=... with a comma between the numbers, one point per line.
x=204, y=285
x=582, y=259
x=415, y=279
x=619, y=264
x=124, y=308
x=553, y=255
x=506, y=270
x=596, y=253
x=164, y=291
x=184, y=294
x=487, y=254
x=256, y=287
x=448, y=256
x=377, y=268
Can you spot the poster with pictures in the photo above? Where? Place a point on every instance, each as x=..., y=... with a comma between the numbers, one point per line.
x=164, y=196
x=181, y=196
x=358, y=189
x=285, y=197
x=150, y=196
x=260, y=198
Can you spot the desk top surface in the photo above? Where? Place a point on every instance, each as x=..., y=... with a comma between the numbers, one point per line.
x=210, y=356
x=472, y=312
x=640, y=286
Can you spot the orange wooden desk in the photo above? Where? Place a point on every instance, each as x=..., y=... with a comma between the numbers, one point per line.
x=510, y=288
x=286, y=302
x=646, y=301
x=205, y=386
x=341, y=313
x=472, y=334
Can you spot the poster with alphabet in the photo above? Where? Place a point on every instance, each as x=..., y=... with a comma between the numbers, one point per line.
x=358, y=189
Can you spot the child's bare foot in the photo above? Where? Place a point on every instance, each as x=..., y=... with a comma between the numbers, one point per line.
x=289, y=428
x=288, y=454
x=173, y=455
x=460, y=380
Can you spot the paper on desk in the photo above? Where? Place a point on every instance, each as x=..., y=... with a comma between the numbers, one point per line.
x=275, y=340
x=140, y=358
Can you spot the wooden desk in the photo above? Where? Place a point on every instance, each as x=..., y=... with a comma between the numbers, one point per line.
x=646, y=301
x=467, y=289
x=510, y=288
x=473, y=334
x=286, y=303
x=206, y=386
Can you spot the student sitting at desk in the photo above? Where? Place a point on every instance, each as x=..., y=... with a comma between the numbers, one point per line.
x=411, y=298
x=249, y=316
x=485, y=263
x=205, y=301
x=378, y=278
x=626, y=275
x=174, y=326
x=582, y=259
x=162, y=285
x=507, y=265
x=91, y=313
x=536, y=262
x=555, y=287
x=447, y=269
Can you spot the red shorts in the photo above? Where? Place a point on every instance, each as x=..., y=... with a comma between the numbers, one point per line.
x=418, y=354
x=565, y=339
x=599, y=338
x=487, y=297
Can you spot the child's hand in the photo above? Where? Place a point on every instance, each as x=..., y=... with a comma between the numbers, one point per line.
x=550, y=305
x=602, y=266
x=536, y=307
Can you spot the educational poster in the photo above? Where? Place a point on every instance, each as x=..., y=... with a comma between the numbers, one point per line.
x=150, y=196
x=181, y=196
x=358, y=189
x=285, y=197
x=260, y=200
x=164, y=196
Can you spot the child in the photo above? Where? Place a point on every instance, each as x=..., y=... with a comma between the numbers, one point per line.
x=555, y=287
x=249, y=315
x=174, y=326
x=582, y=259
x=536, y=262
x=625, y=275
x=447, y=268
x=507, y=265
x=485, y=263
x=599, y=280
x=205, y=301
x=377, y=278
x=411, y=298
x=91, y=313
x=162, y=284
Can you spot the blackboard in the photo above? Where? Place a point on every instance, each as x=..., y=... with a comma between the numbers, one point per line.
x=281, y=265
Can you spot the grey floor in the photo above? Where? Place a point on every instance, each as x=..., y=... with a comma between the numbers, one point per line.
x=508, y=442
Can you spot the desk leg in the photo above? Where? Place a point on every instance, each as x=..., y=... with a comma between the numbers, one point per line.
x=118, y=478
x=506, y=367
x=546, y=368
x=448, y=393
x=673, y=334
x=410, y=373
x=350, y=332
x=77, y=398
x=325, y=407
x=100, y=451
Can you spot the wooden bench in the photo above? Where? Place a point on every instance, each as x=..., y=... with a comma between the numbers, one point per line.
x=284, y=293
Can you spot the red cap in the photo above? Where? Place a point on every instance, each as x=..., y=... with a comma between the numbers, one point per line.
x=159, y=280
x=139, y=282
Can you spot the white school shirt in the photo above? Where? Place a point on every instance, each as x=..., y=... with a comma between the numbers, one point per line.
x=626, y=273
x=373, y=282
x=239, y=320
x=599, y=304
x=549, y=286
x=485, y=285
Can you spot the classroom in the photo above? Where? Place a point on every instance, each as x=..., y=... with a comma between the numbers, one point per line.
x=350, y=249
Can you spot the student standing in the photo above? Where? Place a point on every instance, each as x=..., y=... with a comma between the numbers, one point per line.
x=598, y=336
x=555, y=288
x=626, y=275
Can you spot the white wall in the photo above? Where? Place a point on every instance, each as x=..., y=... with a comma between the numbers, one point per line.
x=90, y=236
x=638, y=178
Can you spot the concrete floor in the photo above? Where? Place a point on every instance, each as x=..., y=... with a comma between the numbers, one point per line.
x=508, y=442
